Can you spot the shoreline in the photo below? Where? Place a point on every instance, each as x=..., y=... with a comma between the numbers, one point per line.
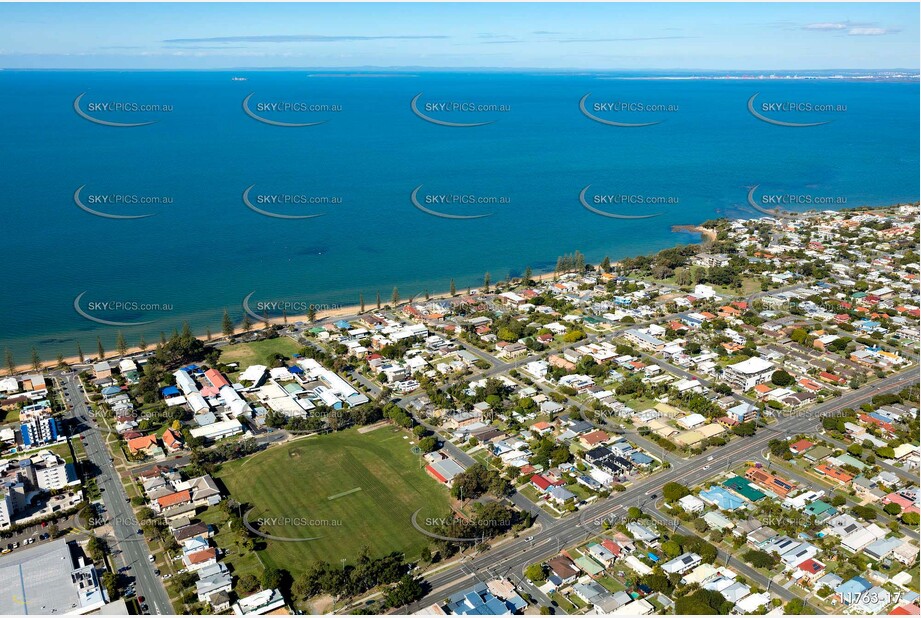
x=708, y=236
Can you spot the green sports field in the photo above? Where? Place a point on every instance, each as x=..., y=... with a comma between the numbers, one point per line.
x=349, y=489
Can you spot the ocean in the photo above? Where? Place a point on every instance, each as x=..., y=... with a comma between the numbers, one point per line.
x=204, y=248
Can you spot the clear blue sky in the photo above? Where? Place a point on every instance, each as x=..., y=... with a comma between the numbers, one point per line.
x=743, y=36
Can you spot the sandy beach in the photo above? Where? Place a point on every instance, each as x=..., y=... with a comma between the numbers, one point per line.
x=342, y=311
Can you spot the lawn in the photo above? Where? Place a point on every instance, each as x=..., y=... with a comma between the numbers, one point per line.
x=257, y=352
x=348, y=489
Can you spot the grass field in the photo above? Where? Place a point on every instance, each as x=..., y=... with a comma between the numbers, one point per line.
x=256, y=352
x=351, y=490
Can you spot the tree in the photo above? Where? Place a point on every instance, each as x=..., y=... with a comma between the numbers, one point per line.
x=536, y=572
x=36, y=360
x=361, y=302
x=759, y=559
x=311, y=313
x=453, y=288
x=395, y=296
x=795, y=607
x=10, y=363
x=142, y=343
x=247, y=584
x=247, y=323
x=892, y=509
x=606, y=264
x=272, y=578
x=227, y=324
x=80, y=353
x=657, y=582
x=671, y=549
x=121, y=346
x=378, y=299
x=428, y=444
x=407, y=590
x=910, y=518
x=781, y=378
x=527, y=275
x=486, y=282
x=100, y=351
x=673, y=492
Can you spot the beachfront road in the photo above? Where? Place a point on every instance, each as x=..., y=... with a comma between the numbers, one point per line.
x=132, y=546
x=512, y=558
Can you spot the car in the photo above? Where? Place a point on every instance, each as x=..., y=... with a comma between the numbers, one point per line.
x=710, y=458
x=705, y=468
x=529, y=538
x=140, y=599
x=150, y=557
x=144, y=608
x=44, y=524
x=157, y=572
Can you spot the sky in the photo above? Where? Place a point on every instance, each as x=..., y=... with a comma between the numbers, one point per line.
x=614, y=36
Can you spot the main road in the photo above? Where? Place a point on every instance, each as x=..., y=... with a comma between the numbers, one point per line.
x=132, y=546
x=512, y=558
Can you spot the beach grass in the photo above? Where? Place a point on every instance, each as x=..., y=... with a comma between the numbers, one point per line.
x=348, y=489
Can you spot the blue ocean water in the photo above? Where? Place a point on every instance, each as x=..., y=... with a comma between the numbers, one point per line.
x=203, y=250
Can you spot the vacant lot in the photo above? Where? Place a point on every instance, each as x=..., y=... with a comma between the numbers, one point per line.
x=347, y=489
x=258, y=352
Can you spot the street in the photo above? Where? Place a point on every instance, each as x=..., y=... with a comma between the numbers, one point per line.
x=133, y=550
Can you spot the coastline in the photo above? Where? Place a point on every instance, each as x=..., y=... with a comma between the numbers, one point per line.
x=707, y=234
